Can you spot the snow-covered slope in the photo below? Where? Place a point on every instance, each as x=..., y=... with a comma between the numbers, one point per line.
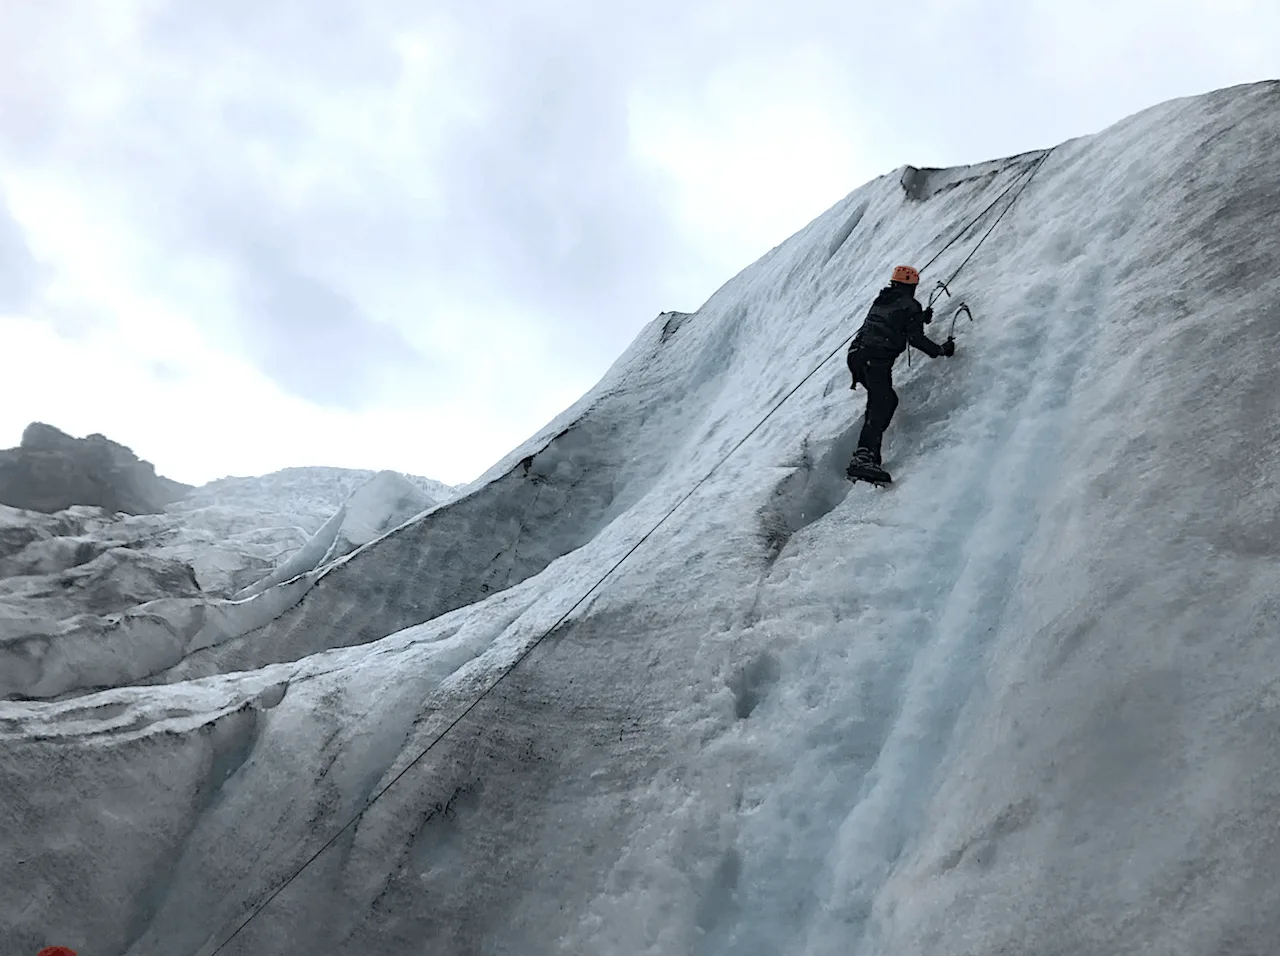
x=313, y=491
x=386, y=500
x=91, y=599
x=1024, y=701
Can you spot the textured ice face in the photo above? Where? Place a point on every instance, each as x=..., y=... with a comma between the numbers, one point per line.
x=1021, y=702
x=94, y=599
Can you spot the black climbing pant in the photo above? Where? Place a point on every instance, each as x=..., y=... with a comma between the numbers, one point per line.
x=882, y=401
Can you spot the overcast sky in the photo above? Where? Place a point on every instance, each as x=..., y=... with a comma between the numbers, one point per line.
x=240, y=235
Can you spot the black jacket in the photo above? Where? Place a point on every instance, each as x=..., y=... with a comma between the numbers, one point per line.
x=895, y=321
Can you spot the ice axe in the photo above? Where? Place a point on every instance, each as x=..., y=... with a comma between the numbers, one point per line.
x=962, y=308
x=933, y=296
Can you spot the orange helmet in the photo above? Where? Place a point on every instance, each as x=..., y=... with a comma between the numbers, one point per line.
x=906, y=274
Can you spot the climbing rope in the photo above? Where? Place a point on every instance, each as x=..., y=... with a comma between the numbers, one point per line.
x=617, y=564
x=995, y=202
x=943, y=285
x=1025, y=183
x=516, y=663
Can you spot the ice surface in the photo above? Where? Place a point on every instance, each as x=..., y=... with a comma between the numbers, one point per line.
x=90, y=599
x=1024, y=701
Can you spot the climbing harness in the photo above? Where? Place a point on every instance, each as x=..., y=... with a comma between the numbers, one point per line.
x=943, y=285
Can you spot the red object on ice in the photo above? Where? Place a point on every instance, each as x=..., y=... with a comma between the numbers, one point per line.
x=56, y=951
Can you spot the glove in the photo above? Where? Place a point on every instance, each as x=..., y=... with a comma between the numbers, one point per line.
x=949, y=348
x=927, y=315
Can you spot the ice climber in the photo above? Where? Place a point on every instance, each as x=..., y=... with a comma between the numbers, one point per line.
x=896, y=320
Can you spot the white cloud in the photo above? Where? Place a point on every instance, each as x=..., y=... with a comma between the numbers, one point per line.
x=415, y=236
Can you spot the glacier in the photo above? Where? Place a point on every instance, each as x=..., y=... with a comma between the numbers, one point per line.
x=1023, y=701
x=91, y=598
